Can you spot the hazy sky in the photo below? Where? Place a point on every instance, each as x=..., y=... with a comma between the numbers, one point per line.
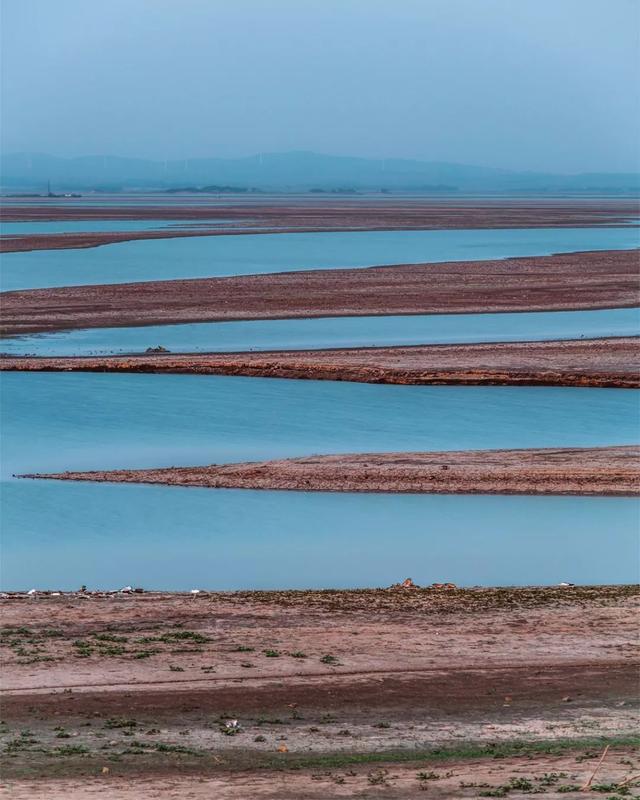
x=523, y=84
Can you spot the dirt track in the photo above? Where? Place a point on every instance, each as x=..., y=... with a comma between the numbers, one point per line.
x=548, y=283
x=575, y=362
x=611, y=471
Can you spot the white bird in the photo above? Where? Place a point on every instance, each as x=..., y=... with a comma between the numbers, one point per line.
x=31, y=591
x=126, y=589
x=195, y=591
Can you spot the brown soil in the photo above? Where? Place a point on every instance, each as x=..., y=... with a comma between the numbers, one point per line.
x=574, y=362
x=144, y=685
x=442, y=778
x=581, y=471
x=319, y=214
x=563, y=282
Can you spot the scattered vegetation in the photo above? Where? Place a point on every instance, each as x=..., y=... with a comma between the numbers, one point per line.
x=120, y=722
x=71, y=750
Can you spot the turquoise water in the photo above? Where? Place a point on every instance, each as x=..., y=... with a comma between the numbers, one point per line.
x=209, y=256
x=328, y=332
x=108, y=536
x=57, y=421
x=62, y=535
x=8, y=229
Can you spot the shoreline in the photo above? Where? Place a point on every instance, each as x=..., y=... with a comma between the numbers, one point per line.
x=582, y=280
x=608, y=362
x=328, y=683
x=588, y=471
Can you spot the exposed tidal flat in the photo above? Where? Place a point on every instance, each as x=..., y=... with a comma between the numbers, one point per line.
x=174, y=538
x=608, y=363
x=606, y=471
x=421, y=688
x=217, y=256
x=579, y=280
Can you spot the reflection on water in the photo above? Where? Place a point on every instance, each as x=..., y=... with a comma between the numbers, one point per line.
x=108, y=536
x=199, y=257
x=300, y=334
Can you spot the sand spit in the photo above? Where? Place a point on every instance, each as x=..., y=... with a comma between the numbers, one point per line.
x=605, y=279
x=305, y=215
x=580, y=471
x=610, y=362
x=335, y=693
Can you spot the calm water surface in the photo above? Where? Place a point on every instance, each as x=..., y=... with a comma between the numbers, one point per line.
x=63, y=535
x=200, y=257
x=8, y=229
x=299, y=334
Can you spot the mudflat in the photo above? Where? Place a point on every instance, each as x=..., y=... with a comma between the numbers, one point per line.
x=580, y=471
x=610, y=362
x=318, y=694
x=319, y=214
x=585, y=280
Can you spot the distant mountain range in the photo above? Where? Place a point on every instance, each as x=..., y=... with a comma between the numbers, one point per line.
x=300, y=171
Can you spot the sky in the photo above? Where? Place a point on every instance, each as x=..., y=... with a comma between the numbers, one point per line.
x=545, y=85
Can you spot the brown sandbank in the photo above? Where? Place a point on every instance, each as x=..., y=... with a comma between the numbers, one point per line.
x=309, y=215
x=580, y=471
x=586, y=280
x=610, y=362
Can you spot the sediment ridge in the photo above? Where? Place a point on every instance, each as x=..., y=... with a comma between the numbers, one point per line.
x=578, y=471
x=612, y=363
x=310, y=215
x=586, y=280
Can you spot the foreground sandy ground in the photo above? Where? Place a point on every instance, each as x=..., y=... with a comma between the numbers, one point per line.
x=372, y=693
x=305, y=213
x=578, y=470
x=556, y=775
x=612, y=362
x=586, y=280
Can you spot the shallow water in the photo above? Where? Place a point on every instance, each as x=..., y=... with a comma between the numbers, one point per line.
x=331, y=332
x=210, y=256
x=109, y=535
x=57, y=421
x=9, y=229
